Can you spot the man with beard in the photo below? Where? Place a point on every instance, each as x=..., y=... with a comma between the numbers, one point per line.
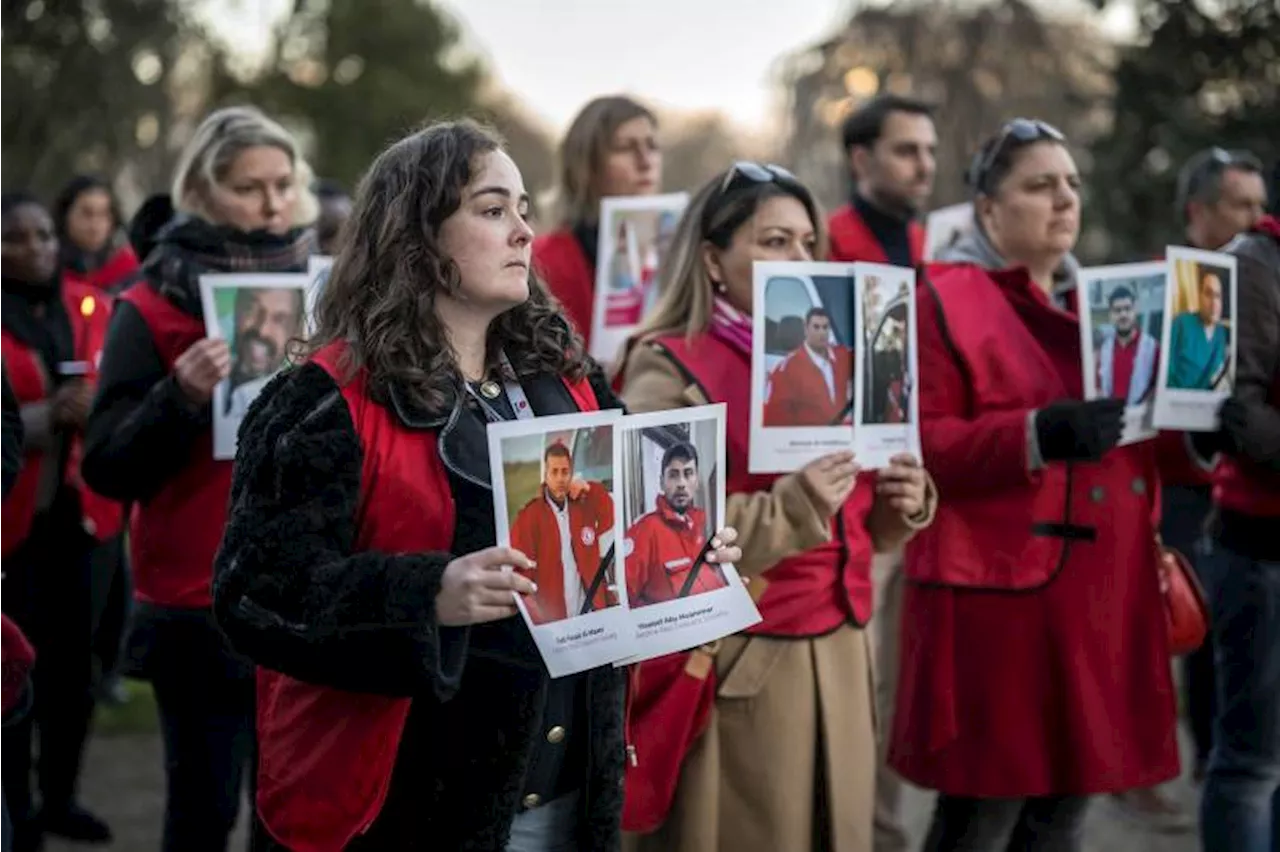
x=813, y=385
x=663, y=546
x=891, y=147
x=266, y=319
x=1126, y=359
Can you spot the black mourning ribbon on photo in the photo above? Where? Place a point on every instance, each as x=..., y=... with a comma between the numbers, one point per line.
x=605, y=562
x=697, y=566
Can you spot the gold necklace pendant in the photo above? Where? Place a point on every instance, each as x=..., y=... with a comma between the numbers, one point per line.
x=490, y=389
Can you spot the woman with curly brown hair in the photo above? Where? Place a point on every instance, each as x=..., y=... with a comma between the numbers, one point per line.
x=400, y=705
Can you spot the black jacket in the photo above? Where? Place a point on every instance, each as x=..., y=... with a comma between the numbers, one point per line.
x=290, y=591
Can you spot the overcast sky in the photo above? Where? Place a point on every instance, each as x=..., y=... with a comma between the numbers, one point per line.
x=687, y=54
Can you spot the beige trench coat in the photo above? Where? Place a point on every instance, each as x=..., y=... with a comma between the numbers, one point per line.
x=788, y=761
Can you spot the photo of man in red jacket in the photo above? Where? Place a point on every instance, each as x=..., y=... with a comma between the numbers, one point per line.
x=813, y=385
x=560, y=530
x=663, y=547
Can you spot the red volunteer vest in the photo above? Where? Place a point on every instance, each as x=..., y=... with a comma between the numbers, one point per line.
x=174, y=536
x=570, y=276
x=1240, y=486
x=325, y=756
x=89, y=312
x=814, y=592
x=852, y=240
x=1009, y=538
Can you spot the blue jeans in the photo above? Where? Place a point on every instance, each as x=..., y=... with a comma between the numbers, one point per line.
x=1242, y=789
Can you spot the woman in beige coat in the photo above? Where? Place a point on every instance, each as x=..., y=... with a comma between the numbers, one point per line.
x=788, y=759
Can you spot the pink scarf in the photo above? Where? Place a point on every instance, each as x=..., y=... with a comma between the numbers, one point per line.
x=731, y=326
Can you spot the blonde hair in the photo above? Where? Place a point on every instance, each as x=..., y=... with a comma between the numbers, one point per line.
x=219, y=139
x=686, y=293
x=583, y=150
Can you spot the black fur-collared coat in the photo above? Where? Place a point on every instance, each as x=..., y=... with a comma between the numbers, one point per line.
x=292, y=595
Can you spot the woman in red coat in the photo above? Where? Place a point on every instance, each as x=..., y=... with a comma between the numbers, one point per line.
x=1035, y=666
x=611, y=149
x=89, y=225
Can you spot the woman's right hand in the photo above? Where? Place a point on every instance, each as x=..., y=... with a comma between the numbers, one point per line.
x=830, y=480
x=477, y=587
x=198, y=370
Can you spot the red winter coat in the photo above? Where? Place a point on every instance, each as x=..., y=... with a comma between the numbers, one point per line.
x=570, y=276
x=852, y=241
x=660, y=549
x=89, y=312
x=535, y=533
x=798, y=394
x=1034, y=656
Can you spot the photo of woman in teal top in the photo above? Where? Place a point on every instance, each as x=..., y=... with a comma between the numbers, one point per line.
x=1199, y=340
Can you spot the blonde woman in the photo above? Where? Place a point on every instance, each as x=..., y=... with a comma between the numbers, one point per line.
x=240, y=193
x=787, y=759
x=611, y=149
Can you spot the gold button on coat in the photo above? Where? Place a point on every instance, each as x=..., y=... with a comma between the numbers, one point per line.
x=1097, y=493
x=1139, y=486
x=555, y=736
x=532, y=800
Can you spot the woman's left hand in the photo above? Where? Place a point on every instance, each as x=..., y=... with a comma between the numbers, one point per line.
x=904, y=484
x=723, y=550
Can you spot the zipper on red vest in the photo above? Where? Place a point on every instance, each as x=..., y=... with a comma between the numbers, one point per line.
x=633, y=689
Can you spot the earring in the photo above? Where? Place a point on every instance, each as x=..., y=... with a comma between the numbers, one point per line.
x=720, y=287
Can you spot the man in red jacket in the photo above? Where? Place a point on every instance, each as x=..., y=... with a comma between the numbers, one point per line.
x=560, y=531
x=891, y=146
x=663, y=546
x=813, y=385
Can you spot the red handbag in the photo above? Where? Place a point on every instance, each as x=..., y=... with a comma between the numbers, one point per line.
x=670, y=709
x=1186, y=611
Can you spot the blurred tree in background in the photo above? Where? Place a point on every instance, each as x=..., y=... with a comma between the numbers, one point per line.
x=86, y=86
x=350, y=76
x=1192, y=80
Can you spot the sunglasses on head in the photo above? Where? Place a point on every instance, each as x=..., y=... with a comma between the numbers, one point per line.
x=746, y=173
x=1023, y=131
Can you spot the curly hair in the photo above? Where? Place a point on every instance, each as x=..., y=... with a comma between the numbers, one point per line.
x=381, y=292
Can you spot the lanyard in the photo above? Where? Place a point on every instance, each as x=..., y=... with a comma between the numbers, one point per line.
x=515, y=396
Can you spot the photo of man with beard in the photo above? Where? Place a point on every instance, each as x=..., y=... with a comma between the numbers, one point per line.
x=266, y=319
x=662, y=549
x=1200, y=345
x=1127, y=357
x=813, y=385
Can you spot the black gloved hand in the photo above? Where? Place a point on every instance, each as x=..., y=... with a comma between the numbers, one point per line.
x=1071, y=430
x=1249, y=433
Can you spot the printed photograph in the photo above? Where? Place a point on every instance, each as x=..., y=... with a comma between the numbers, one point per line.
x=635, y=234
x=1124, y=314
x=259, y=316
x=1200, y=331
x=670, y=511
x=559, y=496
x=808, y=351
x=887, y=376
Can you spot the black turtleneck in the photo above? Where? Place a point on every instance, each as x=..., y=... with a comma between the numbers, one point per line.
x=890, y=231
x=34, y=314
x=588, y=236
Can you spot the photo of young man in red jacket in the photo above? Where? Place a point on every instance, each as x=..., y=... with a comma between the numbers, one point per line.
x=560, y=530
x=662, y=547
x=813, y=385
